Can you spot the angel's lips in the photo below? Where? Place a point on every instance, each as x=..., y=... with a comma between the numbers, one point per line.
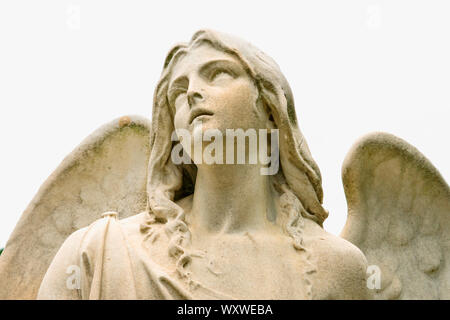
x=199, y=112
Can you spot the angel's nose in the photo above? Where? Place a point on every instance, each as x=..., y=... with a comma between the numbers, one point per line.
x=195, y=91
x=194, y=97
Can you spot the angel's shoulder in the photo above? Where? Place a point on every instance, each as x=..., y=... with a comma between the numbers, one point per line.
x=336, y=248
x=134, y=223
x=94, y=233
x=86, y=234
x=339, y=263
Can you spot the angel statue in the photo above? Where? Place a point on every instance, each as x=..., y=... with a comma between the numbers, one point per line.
x=121, y=219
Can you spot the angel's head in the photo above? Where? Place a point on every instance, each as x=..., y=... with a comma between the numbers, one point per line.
x=211, y=88
x=231, y=84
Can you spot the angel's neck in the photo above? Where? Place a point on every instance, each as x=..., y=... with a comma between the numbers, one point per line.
x=230, y=198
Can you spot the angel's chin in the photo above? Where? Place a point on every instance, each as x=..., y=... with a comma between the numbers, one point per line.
x=200, y=121
x=205, y=123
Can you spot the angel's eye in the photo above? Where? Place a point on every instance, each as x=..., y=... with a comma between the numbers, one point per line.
x=177, y=97
x=221, y=74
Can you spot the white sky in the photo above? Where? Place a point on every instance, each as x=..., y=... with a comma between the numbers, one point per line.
x=67, y=67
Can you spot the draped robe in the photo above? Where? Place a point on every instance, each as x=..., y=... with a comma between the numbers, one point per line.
x=112, y=262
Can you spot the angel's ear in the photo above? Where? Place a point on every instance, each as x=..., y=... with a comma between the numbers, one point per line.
x=264, y=105
x=106, y=172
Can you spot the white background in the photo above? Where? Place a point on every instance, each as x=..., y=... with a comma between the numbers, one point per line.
x=67, y=67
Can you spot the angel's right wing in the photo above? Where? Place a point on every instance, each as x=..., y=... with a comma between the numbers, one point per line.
x=399, y=216
x=106, y=172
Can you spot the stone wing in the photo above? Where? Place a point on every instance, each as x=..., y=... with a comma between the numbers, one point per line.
x=106, y=172
x=399, y=216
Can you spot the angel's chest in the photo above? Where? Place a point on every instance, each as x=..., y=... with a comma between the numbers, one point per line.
x=244, y=271
x=236, y=267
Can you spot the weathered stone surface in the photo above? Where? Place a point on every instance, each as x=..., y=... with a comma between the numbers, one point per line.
x=201, y=230
x=106, y=171
x=399, y=216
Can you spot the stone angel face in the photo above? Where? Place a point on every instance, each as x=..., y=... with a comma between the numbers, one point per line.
x=209, y=91
x=196, y=230
x=215, y=82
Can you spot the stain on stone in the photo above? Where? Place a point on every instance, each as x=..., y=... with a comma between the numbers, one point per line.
x=124, y=121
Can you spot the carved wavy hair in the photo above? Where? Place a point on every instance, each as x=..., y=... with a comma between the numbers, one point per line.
x=297, y=184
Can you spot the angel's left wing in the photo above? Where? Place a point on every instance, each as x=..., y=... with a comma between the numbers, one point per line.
x=106, y=172
x=399, y=216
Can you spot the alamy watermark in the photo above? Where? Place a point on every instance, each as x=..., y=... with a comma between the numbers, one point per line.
x=241, y=147
x=73, y=20
x=374, y=17
x=73, y=281
x=374, y=277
